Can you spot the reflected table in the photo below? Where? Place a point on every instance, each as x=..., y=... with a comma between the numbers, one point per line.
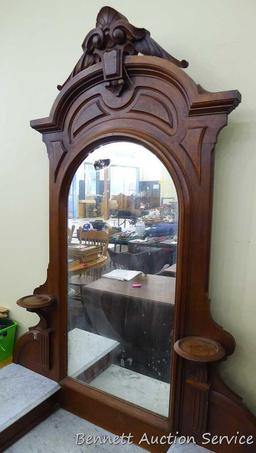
x=170, y=271
x=140, y=319
x=154, y=288
x=166, y=245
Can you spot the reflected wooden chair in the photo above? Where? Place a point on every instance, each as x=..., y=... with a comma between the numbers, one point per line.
x=94, y=237
x=97, y=238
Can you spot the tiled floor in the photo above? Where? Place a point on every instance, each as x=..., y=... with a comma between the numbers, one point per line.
x=57, y=434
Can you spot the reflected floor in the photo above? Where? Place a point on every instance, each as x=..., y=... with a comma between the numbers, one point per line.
x=136, y=388
x=91, y=358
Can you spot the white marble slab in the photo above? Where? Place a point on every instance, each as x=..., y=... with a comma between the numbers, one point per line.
x=57, y=434
x=134, y=387
x=187, y=448
x=85, y=349
x=20, y=391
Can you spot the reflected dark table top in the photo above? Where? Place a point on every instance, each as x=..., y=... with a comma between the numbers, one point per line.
x=154, y=288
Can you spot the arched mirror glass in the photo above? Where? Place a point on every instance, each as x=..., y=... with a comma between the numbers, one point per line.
x=122, y=247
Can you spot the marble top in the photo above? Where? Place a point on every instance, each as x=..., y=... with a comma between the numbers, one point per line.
x=187, y=448
x=85, y=349
x=136, y=388
x=57, y=434
x=20, y=391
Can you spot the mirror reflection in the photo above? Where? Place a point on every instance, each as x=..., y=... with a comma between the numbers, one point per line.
x=122, y=246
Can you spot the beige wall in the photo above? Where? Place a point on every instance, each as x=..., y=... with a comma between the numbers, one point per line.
x=40, y=43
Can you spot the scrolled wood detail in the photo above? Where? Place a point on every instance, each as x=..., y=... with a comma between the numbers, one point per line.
x=201, y=107
x=112, y=39
x=141, y=102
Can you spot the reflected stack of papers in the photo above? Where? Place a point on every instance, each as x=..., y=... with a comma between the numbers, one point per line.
x=122, y=274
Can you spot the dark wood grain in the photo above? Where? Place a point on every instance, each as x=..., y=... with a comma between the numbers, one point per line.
x=198, y=349
x=112, y=39
x=111, y=413
x=35, y=302
x=161, y=107
x=33, y=349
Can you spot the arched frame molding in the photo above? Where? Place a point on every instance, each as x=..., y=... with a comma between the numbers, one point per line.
x=160, y=107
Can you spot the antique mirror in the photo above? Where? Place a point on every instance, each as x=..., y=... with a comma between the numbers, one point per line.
x=123, y=229
x=125, y=323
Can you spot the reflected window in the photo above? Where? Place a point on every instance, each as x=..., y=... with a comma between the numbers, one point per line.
x=122, y=246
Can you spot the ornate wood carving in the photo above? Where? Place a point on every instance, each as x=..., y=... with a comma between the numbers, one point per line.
x=163, y=109
x=112, y=39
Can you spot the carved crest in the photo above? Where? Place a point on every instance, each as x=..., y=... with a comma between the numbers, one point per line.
x=112, y=39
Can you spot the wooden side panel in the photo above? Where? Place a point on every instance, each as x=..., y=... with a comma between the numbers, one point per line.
x=151, y=101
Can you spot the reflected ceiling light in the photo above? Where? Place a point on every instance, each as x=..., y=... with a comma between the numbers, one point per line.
x=101, y=163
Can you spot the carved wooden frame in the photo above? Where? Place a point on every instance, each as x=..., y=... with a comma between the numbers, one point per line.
x=114, y=93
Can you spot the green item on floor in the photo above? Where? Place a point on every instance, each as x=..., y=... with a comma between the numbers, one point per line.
x=7, y=338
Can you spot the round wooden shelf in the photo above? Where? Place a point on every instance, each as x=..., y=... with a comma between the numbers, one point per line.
x=199, y=349
x=35, y=301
